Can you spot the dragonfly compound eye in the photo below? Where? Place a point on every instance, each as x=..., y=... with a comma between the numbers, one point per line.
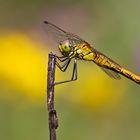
x=65, y=47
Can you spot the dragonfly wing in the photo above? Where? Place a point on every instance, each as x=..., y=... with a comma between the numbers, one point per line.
x=59, y=34
x=54, y=32
x=111, y=73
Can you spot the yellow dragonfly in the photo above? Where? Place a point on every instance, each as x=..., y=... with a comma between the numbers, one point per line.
x=74, y=47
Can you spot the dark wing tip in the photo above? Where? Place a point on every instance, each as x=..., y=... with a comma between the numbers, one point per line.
x=46, y=22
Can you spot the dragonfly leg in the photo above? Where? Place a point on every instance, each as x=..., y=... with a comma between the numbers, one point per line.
x=74, y=74
x=62, y=58
x=64, y=66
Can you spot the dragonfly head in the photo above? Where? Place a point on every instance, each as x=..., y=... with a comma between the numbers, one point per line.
x=65, y=47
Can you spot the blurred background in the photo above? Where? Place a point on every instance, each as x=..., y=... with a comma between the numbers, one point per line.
x=93, y=107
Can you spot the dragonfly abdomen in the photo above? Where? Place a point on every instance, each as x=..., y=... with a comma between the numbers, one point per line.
x=107, y=63
x=130, y=75
x=103, y=61
x=117, y=68
x=126, y=73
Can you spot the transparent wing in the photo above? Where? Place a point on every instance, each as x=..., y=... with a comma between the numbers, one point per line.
x=111, y=73
x=59, y=34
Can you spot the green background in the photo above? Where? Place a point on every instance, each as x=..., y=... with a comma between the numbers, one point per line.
x=114, y=28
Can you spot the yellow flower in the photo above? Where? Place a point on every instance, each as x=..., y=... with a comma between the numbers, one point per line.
x=22, y=65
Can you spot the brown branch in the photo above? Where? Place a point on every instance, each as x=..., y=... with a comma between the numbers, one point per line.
x=52, y=117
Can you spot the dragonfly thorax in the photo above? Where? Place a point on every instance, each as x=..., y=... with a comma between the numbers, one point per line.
x=65, y=47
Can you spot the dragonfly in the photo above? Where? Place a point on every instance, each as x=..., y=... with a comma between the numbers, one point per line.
x=73, y=47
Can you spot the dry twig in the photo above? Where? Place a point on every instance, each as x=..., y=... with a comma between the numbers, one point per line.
x=52, y=119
